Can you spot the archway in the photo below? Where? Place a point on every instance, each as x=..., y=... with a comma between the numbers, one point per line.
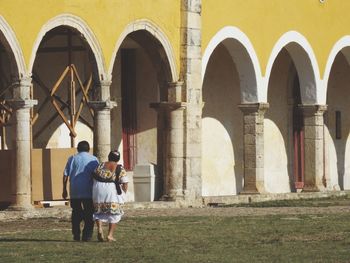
x=12, y=68
x=337, y=126
x=65, y=77
x=230, y=71
x=292, y=82
x=141, y=75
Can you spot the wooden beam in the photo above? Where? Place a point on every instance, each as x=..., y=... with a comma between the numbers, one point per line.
x=59, y=81
x=64, y=118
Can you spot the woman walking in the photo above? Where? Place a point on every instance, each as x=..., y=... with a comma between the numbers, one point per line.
x=108, y=193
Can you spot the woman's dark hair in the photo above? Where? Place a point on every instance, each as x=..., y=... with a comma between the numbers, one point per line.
x=83, y=146
x=114, y=156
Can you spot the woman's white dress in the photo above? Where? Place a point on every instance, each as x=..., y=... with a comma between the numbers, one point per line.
x=107, y=203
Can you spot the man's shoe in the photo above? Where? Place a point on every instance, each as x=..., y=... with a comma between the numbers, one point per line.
x=76, y=238
x=86, y=239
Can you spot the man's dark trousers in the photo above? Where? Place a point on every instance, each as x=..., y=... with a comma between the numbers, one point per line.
x=82, y=209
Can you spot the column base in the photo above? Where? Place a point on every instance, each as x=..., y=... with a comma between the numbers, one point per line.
x=174, y=195
x=15, y=207
x=249, y=192
x=313, y=188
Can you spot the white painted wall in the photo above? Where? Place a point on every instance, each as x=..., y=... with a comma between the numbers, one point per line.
x=61, y=139
x=276, y=128
x=147, y=92
x=222, y=127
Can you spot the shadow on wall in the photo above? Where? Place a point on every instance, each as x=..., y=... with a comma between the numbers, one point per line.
x=277, y=128
x=222, y=129
x=338, y=124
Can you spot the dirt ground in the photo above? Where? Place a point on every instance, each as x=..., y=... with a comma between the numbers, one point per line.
x=65, y=212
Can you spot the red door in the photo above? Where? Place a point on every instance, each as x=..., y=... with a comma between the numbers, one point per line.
x=298, y=138
x=129, y=119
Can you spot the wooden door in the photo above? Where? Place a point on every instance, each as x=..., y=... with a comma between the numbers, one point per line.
x=129, y=117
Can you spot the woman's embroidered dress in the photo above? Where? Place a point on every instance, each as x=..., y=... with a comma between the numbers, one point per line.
x=107, y=203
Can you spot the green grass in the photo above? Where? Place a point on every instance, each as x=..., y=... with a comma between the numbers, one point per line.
x=312, y=202
x=282, y=238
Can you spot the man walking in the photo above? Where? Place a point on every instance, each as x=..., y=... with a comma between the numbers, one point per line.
x=79, y=170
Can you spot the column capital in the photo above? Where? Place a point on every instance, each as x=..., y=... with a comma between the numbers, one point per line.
x=21, y=104
x=175, y=91
x=105, y=83
x=170, y=106
x=102, y=105
x=25, y=81
x=248, y=108
x=313, y=109
x=21, y=87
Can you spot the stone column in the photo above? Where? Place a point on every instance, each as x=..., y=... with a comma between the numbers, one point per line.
x=102, y=121
x=172, y=114
x=313, y=147
x=191, y=66
x=253, y=143
x=21, y=180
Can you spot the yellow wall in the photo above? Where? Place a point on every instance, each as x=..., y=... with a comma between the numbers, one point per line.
x=264, y=22
x=106, y=18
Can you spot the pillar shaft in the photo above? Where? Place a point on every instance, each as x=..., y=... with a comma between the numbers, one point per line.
x=253, y=143
x=21, y=183
x=173, y=147
x=314, y=150
x=102, y=128
x=191, y=66
x=175, y=151
x=102, y=120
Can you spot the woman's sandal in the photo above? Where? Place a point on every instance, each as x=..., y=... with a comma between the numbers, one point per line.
x=100, y=237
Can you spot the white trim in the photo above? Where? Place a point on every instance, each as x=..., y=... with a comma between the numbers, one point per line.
x=305, y=62
x=80, y=25
x=244, y=57
x=144, y=24
x=14, y=45
x=342, y=45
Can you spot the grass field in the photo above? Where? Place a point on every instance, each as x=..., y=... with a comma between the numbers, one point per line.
x=273, y=238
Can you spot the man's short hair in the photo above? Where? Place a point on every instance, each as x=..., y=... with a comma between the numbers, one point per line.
x=83, y=146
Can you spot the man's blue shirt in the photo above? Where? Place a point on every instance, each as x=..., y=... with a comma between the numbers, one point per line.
x=79, y=168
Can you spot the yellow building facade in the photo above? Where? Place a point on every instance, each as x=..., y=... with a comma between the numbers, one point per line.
x=210, y=98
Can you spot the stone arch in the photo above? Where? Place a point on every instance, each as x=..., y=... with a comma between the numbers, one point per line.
x=150, y=27
x=243, y=55
x=12, y=41
x=343, y=46
x=82, y=27
x=305, y=62
x=337, y=127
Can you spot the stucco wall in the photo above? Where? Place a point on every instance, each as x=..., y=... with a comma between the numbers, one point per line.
x=264, y=22
x=222, y=127
x=106, y=19
x=276, y=129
